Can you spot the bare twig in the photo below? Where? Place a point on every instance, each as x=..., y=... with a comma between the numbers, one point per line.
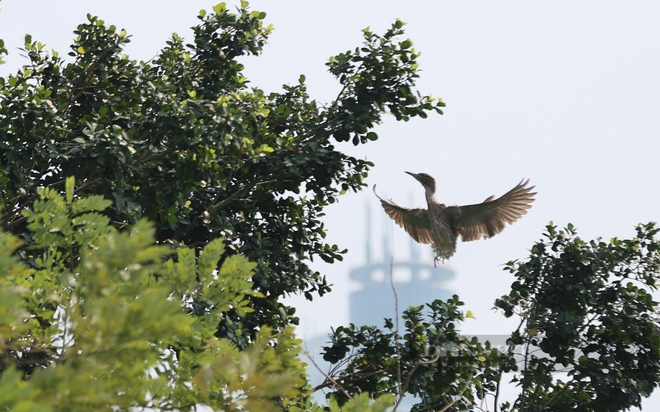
x=421, y=361
x=327, y=376
x=456, y=399
x=501, y=371
x=240, y=191
x=193, y=223
x=396, y=336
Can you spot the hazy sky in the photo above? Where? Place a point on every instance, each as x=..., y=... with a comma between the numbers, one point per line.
x=565, y=93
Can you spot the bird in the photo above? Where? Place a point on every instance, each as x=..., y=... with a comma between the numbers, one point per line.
x=441, y=225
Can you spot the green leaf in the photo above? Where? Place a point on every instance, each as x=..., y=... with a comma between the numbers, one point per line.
x=209, y=258
x=18, y=395
x=90, y=203
x=220, y=8
x=69, y=186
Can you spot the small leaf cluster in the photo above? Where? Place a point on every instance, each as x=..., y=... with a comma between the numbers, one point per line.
x=378, y=77
x=443, y=369
x=588, y=314
x=3, y=50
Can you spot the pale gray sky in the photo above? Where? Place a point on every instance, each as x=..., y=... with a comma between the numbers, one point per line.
x=564, y=93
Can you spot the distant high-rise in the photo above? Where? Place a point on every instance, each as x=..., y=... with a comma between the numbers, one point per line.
x=415, y=281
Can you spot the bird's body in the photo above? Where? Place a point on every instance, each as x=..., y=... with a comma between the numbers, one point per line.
x=441, y=225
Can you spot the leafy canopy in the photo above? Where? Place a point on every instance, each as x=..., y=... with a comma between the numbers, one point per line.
x=103, y=320
x=588, y=306
x=185, y=142
x=588, y=338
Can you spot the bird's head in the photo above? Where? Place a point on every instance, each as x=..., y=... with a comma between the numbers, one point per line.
x=427, y=181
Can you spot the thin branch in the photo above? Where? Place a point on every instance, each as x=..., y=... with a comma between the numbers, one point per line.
x=457, y=398
x=88, y=183
x=554, y=398
x=240, y=191
x=526, y=365
x=327, y=377
x=16, y=210
x=421, y=361
x=153, y=157
x=396, y=336
x=193, y=223
x=352, y=378
x=501, y=371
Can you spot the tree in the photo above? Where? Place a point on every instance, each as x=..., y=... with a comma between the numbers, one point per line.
x=431, y=360
x=104, y=322
x=587, y=306
x=228, y=174
x=588, y=338
x=183, y=141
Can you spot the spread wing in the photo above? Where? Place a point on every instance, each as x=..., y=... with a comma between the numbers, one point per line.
x=414, y=221
x=489, y=218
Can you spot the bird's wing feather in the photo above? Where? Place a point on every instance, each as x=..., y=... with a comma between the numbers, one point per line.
x=489, y=218
x=414, y=221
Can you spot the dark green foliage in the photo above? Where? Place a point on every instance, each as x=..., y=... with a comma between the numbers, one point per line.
x=588, y=338
x=588, y=307
x=183, y=141
x=431, y=361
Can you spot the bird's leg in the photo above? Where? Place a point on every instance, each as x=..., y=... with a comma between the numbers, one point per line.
x=436, y=260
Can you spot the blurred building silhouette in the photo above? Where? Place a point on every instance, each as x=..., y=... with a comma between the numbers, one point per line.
x=415, y=280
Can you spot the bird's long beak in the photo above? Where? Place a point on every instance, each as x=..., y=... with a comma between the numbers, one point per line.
x=413, y=174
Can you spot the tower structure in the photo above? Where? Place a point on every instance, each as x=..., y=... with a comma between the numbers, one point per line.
x=416, y=282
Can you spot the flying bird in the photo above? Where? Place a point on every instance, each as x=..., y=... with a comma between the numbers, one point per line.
x=441, y=225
